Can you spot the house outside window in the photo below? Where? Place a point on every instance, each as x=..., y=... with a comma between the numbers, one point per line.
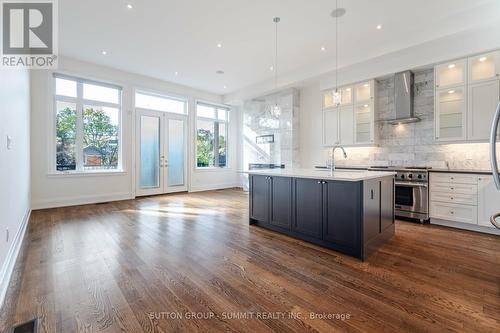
x=87, y=125
x=212, y=126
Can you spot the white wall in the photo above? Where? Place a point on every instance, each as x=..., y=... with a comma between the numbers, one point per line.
x=14, y=167
x=59, y=190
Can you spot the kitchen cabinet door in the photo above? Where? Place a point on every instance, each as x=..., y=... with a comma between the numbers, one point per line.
x=259, y=200
x=451, y=74
x=364, y=92
x=364, y=124
x=483, y=100
x=484, y=67
x=386, y=203
x=281, y=202
x=308, y=207
x=346, y=125
x=450, y=114
x=342, y=213
x=371, y=209
x=488, y=200
x=330, y=127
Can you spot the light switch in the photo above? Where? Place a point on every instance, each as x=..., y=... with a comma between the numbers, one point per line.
x=9, y=142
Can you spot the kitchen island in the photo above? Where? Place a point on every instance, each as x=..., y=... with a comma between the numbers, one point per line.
x=350, y=211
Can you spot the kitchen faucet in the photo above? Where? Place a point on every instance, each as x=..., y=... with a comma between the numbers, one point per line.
x=332, y=165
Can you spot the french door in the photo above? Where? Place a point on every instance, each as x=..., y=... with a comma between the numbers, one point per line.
x=161, y=152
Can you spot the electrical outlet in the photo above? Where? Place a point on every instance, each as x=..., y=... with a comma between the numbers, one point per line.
x=7, y=235
x=9, y=142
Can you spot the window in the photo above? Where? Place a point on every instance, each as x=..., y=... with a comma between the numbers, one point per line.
x=160, y=103
x=87, y=125
x=211, y=136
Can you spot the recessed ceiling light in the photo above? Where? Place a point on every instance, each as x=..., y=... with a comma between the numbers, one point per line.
x=379, y=27
x=104, y=52
x=129, y=6
x=271, y=68
x=450, y=66
x=219, y=45
x=482, y=59
x=225, y=87
x=451, y=92
x=219, y=71
x=323, y=48
x=176, y=73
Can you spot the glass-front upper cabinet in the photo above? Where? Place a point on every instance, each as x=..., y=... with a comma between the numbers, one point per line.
x=346, y=95
x=328, y=99
x=484, y=67
x=364, y=92
x=450, y=114
x=363, y=124
x=451, y=74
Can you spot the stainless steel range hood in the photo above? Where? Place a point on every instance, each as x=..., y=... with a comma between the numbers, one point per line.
x=403, y=99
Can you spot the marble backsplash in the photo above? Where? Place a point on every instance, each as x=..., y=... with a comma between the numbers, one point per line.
x=413, y=144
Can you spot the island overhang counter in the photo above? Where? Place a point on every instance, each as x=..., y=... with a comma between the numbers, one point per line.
x=350, y=211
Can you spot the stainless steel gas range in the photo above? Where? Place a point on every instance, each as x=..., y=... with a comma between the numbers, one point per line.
x=411, y=192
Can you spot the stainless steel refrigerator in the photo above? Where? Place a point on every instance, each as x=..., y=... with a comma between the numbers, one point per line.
x=494, y=162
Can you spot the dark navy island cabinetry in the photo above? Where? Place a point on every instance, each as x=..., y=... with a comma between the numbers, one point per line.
x=352, y=217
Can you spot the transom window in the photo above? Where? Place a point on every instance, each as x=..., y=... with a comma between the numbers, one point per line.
x=212, y=125
x=150, y=101
x=87, y=125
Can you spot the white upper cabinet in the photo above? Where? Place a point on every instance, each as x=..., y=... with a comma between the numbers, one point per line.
x=364, y=92
x=450, y=114
x=352, y=123
x=483, y=99
x=488, y=200
x=331, y=127
x=467, y=93
x=484, y=67
x=346, y=125
x=451, y=74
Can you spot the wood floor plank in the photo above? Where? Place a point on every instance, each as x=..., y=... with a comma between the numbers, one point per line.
x=191, y=263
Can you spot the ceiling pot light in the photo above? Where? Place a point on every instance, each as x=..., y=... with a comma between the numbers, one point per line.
x=219, y=45
x=323, y=48
x=176, y=73
x=104, y=52
x=225, y=87
x=379, y=27
x=451, y=66
x=271, y=68
x=129, y=6
x=483, y=59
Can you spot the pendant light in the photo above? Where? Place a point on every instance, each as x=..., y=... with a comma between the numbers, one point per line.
x=338, y=12
x=276, y=109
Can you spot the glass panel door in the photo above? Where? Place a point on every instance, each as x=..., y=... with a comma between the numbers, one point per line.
x=149, y=147
x=161, y=150
x=175, y=162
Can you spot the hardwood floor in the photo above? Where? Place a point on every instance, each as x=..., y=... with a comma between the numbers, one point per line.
x=134, y=266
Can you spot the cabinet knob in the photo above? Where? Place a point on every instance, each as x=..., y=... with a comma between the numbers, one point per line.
x=452, y=212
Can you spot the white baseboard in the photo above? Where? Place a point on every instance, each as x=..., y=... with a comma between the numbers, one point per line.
x=213, y=187
x=466, y=226
x=10, y=260
x=80, y=200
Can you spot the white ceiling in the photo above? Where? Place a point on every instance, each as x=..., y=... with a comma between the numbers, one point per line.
x=160, y=37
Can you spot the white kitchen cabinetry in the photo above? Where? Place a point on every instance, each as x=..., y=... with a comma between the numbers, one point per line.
x=463, y=200
x=450, y=114
x=467, y=92
x=352, y=123
x=483, y=100
x=488, y=200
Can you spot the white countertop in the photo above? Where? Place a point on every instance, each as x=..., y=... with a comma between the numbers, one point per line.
x=323, y=174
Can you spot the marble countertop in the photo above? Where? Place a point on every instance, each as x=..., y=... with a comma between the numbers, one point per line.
x=323, y=174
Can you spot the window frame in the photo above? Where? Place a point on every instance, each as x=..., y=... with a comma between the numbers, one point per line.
x=214, y=120
x=80, y=102
x=160, y=95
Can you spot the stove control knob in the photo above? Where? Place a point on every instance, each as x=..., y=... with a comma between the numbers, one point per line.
x=410, y=176
x=419, y=176
x=402, y=176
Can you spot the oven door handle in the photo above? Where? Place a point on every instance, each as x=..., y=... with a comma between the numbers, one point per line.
x=410, y=184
